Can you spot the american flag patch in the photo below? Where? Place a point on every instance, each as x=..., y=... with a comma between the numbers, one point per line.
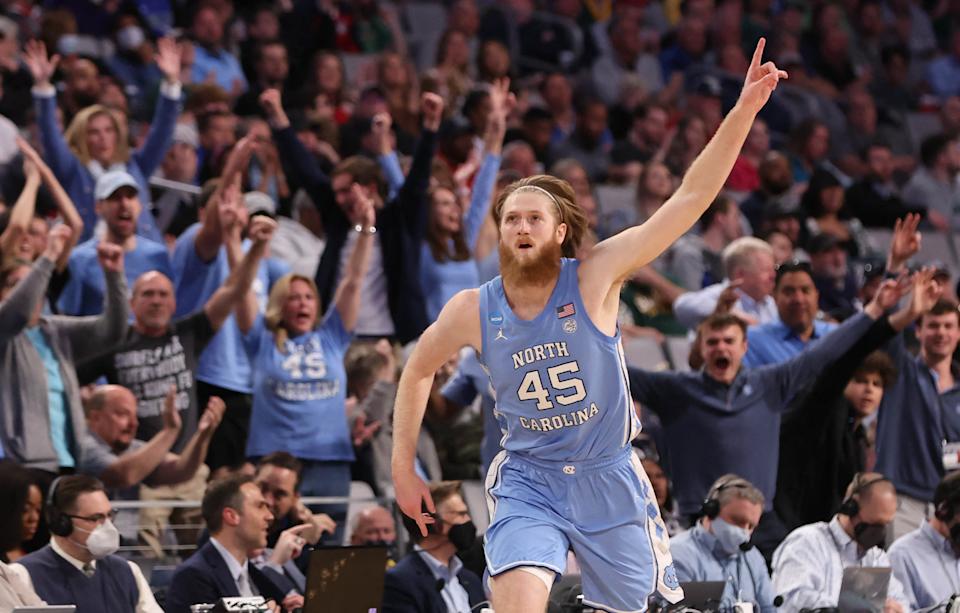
x=566, y=311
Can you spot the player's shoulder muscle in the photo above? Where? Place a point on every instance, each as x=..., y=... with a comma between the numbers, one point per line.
x=459, y=320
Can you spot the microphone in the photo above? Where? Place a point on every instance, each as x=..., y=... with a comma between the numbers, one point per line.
x=778, y=601
x=746, y=546
x=440, y=585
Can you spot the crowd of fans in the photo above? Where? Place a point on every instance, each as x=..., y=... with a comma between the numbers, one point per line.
x=223, y=224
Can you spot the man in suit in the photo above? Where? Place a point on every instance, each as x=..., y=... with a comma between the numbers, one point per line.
x=431, y=578
x=238, y=518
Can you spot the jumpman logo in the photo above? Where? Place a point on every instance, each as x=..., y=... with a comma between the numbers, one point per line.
x=500, y=335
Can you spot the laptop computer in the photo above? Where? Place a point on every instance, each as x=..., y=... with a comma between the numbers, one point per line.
x=863, y=590
x=702, y=595
x=345, y=579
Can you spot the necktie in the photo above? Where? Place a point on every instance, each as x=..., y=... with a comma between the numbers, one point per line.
x=243, y=583
x=88, y=569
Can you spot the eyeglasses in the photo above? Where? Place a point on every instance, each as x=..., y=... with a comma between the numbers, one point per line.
x=97, y=518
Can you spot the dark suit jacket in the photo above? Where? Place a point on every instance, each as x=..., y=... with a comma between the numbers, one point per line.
x=205, y=578
x=410, y=587
x=401, y=225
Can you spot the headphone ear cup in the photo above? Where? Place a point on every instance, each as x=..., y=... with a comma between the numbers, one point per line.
x=58, y=523
x=710, y=508
x=849, y=507
x=943, y=512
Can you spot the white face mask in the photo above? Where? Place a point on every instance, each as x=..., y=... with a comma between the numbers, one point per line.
x=104, y=540
x=130, y=37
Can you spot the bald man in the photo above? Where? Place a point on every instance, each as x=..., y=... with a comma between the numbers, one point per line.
x=374, y=526
x=159, y=353
x=123, y=461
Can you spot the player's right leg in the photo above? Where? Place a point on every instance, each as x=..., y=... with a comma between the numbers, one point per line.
x=519, y=591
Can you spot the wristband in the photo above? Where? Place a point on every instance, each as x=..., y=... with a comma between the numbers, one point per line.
x=360, y=229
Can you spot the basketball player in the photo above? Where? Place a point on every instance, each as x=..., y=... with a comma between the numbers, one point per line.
x=546, y=331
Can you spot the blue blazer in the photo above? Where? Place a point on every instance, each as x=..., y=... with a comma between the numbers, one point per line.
x=205, y=578
x=410, y=587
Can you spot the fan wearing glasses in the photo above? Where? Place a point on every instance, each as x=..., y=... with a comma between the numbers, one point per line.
x=79, y=566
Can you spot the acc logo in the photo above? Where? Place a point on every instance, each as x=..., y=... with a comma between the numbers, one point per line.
x=496, y=319
x=570, y=326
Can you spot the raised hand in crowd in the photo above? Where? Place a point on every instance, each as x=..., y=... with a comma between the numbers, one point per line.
x=905, y=242
x=40, y=65
x=431, y=106
x=261, y=230
x=272, y=105
x=383, y=137
x=502, y=103
x=171, y=415
x=212, y=415
x=59, y=237
x=168, y=59
x=110, y=257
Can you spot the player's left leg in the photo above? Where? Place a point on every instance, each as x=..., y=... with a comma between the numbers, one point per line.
x=622, y=546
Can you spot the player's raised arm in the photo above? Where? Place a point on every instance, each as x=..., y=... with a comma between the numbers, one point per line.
x=616, y=257
x=457, y=326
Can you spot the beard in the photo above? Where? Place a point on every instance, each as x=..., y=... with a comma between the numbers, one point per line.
x=543, y=269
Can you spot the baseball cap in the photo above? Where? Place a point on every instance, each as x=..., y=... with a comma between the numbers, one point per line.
x=186, y=134
x=110, y=182
x=259, y=203
x=708, y=85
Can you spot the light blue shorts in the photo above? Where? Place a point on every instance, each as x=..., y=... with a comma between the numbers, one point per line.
x=604, y=510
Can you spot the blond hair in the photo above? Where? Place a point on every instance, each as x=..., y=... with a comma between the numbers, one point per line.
x=565, y=206
x=278, y=298
x=76, y=134
x=741, y=252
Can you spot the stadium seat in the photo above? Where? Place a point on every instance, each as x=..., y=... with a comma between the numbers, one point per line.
x=644, y=353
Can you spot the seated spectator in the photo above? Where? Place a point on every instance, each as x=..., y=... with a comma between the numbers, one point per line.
x=21, y=503
x=586, y=143
x=718, y=547
x=647, y=132
x=174, y=208
x=834, y=279
x=823, y=202
x=297, y=359
x=278, y=475
x=96, y=140
x=838, y=416
x=270, y=70
x=689, y=139
x=797, y=324
x=810, y=142
x=695, y=260
x=557, y=93
x=926, y=560
x=14, y=591
x=748, y=265
x=238, y=517
x=782, y=245
x=688, y=404
x=535, y=130
x=375, y=526
x=745, y=175
x=808, y=565
x=279, y=565
x=663, y=491
x=943, y=73
x=931, y=187
x=79, y=566
x=626, y=57
x=42, y=423
x=392, y=305
x=446, y=259
x=414, y=584
x=876, y=199
x=210, y=59
x=118, y=204
x=776, y=182
x=127, y=461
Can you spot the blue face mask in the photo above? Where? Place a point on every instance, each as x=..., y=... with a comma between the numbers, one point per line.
x=729, y=536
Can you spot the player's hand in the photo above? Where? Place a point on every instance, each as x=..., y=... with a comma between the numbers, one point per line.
x=57, y=240
x=212, y=415
x=761, y=80
x=431, y=105
x=412, y=496
x=171, y=416
x=110, y=257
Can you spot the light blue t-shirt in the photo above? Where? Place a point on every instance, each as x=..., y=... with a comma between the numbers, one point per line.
x=299, y=392
x=83, y=293
x=60, y=430
x=224, y=362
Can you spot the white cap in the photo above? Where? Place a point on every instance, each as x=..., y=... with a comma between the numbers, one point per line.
x=187, y=134
x=110, y=182
x=258, y=202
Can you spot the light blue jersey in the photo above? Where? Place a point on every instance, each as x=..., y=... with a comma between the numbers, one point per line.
x=560, y=383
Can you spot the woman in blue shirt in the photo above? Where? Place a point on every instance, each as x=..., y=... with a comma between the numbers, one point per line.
x=447, y=265
x=299, y=381
x=96, y=140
